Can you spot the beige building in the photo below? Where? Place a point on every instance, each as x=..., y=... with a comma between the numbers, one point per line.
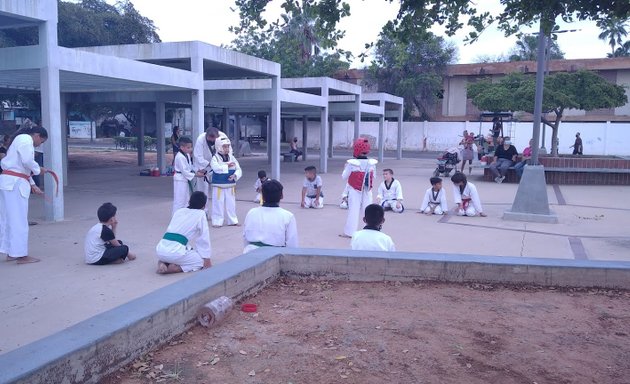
x=456, y=106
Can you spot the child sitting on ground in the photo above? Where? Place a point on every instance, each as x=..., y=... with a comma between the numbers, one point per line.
x=262, y=178
x=101, y=245
x=466, y=196
x=225, y=173
x=175, y=253
x=390, y=194
x=270, y=225
x=184, y=174
x=370, y=238
x=434, y=202
x=312, y=196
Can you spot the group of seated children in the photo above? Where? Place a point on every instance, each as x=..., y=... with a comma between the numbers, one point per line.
x=465, y=195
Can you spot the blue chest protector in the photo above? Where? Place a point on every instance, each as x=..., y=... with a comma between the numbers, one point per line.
x=222, y=178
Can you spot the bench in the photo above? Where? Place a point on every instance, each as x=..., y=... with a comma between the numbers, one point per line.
x=572, y=175
x=288, y=157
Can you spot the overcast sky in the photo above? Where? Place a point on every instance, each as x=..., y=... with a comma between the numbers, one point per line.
x=209, y=20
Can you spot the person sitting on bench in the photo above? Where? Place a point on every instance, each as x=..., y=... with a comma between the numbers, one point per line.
x=504, y=157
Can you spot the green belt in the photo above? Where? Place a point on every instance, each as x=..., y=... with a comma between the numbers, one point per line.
x=260, y=244
x=175, y=237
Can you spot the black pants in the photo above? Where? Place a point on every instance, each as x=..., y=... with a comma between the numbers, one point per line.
x=39, y=159
x=113, y=254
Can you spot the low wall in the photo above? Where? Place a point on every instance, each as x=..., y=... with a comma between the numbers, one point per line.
x=88, y=351
x=599, y=138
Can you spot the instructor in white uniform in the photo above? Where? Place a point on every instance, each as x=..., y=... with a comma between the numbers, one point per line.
x=16, y=185
x=203, y=151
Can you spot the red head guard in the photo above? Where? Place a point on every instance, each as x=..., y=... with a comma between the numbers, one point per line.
x=361, y=147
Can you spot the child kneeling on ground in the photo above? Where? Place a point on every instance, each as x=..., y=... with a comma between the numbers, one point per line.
x=390, y=194
x=270, y=225
x=312, y=195
x=175, y=253
x=370, y=238
x=434, y=202
x=466, y=196
x=101, y=245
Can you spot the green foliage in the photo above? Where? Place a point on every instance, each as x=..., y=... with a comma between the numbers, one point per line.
x=304, y=40
x=564, y=90
x=614, y=30
x=411, y=66
x=526, y=49
x=90, y=23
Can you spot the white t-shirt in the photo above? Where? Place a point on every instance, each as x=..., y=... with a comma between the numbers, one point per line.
x=311, y=186
x=95, y=241
x=372, y=240
x=273, y=226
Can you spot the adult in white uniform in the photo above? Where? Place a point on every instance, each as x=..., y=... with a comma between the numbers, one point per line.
x=203, y=151
x=390, y=195
x=359, y=175
x=226, y=171
x=466, y=197
x=188, y=225
x=434, y=202
x=370, y=238
x=16, y=185
x=270, y=225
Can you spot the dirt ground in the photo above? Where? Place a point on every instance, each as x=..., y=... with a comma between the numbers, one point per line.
x=341, y=332
x=79, y=158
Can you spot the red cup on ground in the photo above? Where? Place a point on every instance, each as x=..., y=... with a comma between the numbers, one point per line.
x=249, y=307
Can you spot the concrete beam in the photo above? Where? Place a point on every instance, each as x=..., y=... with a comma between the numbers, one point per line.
x=21, y=58
x=29, y=10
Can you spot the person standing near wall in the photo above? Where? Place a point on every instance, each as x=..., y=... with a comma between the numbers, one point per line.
x=577, y=145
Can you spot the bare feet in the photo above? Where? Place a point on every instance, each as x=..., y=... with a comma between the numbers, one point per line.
x=234, y=225
x=162, y=268
x=482, y=214
x=9, y=258
x=118, y=261
x=131, y=256
x=27, y=260
x=345, y=236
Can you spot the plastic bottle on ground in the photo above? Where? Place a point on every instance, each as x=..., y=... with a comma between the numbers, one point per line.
x=214, y=311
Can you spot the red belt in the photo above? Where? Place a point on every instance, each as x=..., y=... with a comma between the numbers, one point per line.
x=465, y=203
x=16, y=174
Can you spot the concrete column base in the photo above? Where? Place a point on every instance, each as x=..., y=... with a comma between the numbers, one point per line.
x=531, y=202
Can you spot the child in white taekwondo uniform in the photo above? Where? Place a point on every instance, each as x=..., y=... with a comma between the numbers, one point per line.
x=434, y=202
x=466, y=196
x=16, y=185
x=188, y=225
x=312, y=195
x=226, y=171
x=390, y=194
x=270, y=225
x=262, y=178
x=370, y=238
x=184, y=174
x=359, y=175
x=203, y=151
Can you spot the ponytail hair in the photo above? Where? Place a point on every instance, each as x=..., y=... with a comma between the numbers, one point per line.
x=30, y=130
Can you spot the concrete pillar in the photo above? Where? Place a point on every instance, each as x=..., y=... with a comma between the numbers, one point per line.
x=269, y=138
x=275, y=128
x=141, y=130
x=237, y=136
x=304, y=135
x=198, y=98
x=381, y=138
x=225, y=121
x=64, y=138
x=400, y=133
x=51, y=116
x=160, y=120
x=331, y=136
x=357, y=116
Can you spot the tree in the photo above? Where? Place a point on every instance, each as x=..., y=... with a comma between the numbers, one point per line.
x=304, y=40
x=563, y=90
x=90, y=23
x=411, y=67
x=613, y=30
x=526, y=49
x=623, y=51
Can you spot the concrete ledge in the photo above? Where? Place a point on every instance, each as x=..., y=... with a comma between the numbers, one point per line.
x=551, y=218
x=88, y=351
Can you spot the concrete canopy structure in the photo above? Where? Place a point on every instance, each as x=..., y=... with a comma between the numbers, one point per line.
x=195, y=74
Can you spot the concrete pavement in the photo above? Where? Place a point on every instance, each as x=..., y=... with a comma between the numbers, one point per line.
x=39, y=299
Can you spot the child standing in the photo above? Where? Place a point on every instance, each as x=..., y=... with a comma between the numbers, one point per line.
x=187, y=225
x=184, y=174
x=466, y=196
x=225, y=173
x=262, y=178
x=101, y=245
x=312, y=196
x=370, y=238
x=434, y=202
x=270, y=225
x=359, y=175
x=390, y=194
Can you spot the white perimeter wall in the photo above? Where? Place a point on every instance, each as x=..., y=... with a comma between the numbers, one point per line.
x=605, y=138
